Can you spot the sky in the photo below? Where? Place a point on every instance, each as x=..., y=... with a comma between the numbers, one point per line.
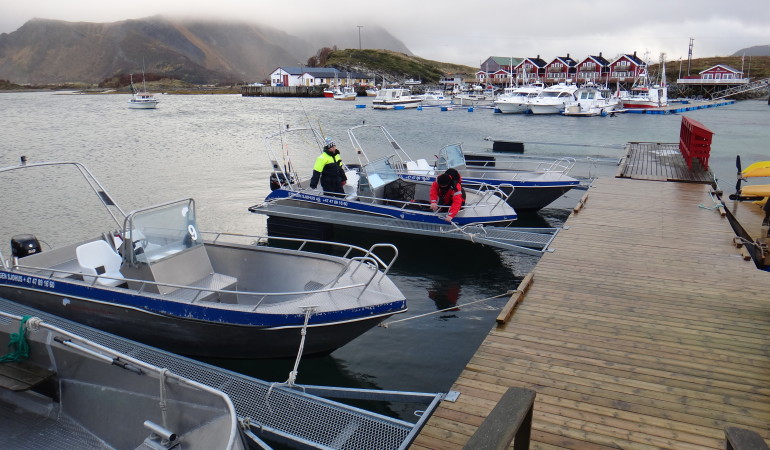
x=466, y=32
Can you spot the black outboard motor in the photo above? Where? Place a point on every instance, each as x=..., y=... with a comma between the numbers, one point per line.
x=24, y=245
x=277, y=180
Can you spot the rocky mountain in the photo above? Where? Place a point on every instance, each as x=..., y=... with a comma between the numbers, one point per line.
x=757, y=50
x=52, y=52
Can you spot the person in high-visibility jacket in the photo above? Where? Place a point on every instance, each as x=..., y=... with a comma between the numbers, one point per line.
x=447, y=191
x=328, y=169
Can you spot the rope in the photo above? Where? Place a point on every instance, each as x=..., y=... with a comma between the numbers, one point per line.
x=386, y=325
x=18, y=345
x=309, y=310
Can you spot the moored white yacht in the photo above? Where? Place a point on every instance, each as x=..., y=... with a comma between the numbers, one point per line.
x=515, y=100
x=551, y=100
x=591, y=100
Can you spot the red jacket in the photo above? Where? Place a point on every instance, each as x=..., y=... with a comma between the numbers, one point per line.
x=451, y=196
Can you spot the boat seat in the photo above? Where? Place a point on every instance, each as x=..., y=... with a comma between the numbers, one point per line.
x=424, y=167
x=99, y=258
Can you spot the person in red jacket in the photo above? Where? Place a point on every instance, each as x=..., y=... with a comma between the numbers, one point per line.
x=447, y=191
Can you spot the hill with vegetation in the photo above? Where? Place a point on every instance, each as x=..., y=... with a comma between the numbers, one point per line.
x=755, y=67
x=394, y=66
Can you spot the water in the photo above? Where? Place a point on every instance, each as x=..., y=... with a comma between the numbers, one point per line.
x=211, y=148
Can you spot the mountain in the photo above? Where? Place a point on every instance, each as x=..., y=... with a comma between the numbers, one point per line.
x=52, y=52
x=757, y=50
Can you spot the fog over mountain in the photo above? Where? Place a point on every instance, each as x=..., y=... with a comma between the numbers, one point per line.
x=51, y=51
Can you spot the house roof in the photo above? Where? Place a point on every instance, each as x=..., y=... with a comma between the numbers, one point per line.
x=726, y=67
x=506, y=60
x=566, y=60
x=599, y=59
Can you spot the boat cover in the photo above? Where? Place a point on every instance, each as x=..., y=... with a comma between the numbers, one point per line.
x=758, y=169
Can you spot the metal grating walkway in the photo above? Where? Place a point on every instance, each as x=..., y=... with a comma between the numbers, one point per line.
x=274, y=412
x=527, y=240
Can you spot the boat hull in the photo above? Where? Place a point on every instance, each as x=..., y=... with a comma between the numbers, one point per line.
x=511, y=107
x=182, y=334
x=546, y=108
x=142, y=105
x=396, y=105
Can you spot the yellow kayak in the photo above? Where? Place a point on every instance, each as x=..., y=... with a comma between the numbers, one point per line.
x=758, y=169
x=759, y=190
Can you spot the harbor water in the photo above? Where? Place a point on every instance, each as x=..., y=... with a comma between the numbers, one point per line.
x=210, y=147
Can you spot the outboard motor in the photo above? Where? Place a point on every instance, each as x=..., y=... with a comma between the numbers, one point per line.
x=277, y=180
x=24, y=245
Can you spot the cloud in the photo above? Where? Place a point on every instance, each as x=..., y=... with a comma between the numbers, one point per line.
x=463, y=32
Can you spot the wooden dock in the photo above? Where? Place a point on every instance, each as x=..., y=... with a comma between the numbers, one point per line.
x=673, y=108
x=645, y=329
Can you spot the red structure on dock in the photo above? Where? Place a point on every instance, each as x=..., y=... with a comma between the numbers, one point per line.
x=695, y=142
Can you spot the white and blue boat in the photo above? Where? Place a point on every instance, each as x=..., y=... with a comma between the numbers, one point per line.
x=375, y=188
x=527, y=185
x=154, y=277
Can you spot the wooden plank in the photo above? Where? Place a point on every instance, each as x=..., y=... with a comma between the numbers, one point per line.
x=21, y=376
x=511, y=416
x=646, y=328
x=507, y=311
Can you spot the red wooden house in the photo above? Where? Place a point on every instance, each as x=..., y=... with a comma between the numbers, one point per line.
x=593, y=69
x=531, y=68
x=721, y=72
x=627, y=68
x=560, y=70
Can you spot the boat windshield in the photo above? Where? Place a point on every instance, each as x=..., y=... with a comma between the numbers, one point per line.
x=451, y=156
x=380, y=172
x=162, y=230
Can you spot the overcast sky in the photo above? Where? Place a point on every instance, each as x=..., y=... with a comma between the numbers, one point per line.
x=467, y=32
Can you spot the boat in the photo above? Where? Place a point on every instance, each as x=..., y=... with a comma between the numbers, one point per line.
x=374, y=189
x=154, y=277
x=61, y=390
x=346, y=93
x=646, y=94
x=477, y=97
x=140, y=98
x=395, y=98
x=372, y=91
x=552, y=99
x=514, y=100
x=530, y=185
x=591, y=100
x=412, y=82
x=434, y=97
x=329, y=92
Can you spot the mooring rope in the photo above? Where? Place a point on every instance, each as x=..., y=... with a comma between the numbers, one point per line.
x=387, y=324
x=309, y=310
x=18, y=345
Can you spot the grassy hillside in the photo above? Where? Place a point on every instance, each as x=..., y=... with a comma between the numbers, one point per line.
x=393, y=65
x=760, y=66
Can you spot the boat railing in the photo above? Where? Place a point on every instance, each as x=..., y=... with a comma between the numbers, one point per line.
x=200, y=291
x=166, y=378
x=369, y=253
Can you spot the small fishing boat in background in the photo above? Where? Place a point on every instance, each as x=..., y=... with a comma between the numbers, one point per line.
x=346, y=93
x=395, y=98
x=63, y=391
x=140, y=98
x=152, y=276
x=529, y=185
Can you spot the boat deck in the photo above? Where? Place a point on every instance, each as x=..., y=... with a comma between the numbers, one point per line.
x=645, y=328
x=291, y=416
